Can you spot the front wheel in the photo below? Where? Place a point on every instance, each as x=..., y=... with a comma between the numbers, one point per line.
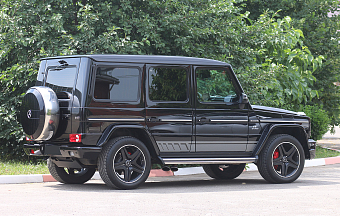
x=282, y=159
x=225, y=172
x=124, y=163
x=70, y=175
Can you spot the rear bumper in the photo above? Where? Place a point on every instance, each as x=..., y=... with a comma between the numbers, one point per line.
x=311, y=147
x=65, y=156
x=62, y=151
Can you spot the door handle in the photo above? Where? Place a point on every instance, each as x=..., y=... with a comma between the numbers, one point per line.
x=153, y=119
x=203, y=119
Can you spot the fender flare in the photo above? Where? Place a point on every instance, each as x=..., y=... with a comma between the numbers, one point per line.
x=105, y=137
x=268, y=131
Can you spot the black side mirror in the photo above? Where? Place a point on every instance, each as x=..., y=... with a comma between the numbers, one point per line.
x=243, y=100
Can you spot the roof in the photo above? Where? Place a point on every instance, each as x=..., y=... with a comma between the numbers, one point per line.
x=149, y=59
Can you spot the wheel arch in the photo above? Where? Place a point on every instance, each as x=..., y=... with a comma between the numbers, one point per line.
x=136, y=131
x=297, y=131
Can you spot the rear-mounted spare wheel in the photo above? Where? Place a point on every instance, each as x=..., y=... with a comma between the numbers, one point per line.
x=39, y=113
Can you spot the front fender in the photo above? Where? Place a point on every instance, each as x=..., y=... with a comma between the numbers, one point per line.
x=298, y=132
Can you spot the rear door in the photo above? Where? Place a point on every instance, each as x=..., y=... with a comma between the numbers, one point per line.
x=116, y=98
x=169, y=112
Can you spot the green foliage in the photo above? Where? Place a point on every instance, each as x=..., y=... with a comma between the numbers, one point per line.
x=321, y=36
x=214, y=85
x=168, y=84
x=277, y=68
x=320, y=120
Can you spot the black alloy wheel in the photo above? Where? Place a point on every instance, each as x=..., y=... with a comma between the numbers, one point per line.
x=124, y=163
x=282, y=159
x=286, y=159
x=70, y=175
x=129, y=163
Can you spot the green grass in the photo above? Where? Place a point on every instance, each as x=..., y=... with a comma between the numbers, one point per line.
x=20, y=168
x=324, y=153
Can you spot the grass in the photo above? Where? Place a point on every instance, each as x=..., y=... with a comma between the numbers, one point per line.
x=324, y=153
x=20, y=168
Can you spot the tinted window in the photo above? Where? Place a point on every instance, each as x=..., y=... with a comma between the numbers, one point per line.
x=61, y=78
x=214, y=86
x=167, y=84
x=117, y=84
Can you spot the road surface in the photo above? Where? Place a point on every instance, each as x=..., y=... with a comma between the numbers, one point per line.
x=316, y=192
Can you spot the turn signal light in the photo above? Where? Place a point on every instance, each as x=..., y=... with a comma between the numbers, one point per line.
x=75, y=137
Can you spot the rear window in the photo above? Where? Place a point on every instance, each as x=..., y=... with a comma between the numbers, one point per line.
x=61, y=78
x=117, y=84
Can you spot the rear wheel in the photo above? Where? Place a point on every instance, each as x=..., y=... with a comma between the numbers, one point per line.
x=124, y=163
x=282, y=159
x=228, y=171
x=70, y=175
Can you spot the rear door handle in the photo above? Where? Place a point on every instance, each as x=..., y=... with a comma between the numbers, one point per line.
x=203, y=119
x=153, y=119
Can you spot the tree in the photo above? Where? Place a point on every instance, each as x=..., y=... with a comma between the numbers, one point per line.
x=322, y=37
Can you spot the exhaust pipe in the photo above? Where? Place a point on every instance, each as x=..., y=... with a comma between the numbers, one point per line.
x=166, y=168
x=174, y=168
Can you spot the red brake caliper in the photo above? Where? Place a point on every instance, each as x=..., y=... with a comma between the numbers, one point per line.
x=276, y=155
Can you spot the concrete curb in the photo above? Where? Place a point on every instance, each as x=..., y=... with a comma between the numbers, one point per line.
x=39, y=178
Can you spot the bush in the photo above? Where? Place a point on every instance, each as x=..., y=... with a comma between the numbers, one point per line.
x=320, y=120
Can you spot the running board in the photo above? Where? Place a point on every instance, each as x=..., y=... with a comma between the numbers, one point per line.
x=208, y=160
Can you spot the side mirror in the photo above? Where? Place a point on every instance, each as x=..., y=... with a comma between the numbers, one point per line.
x=243, y=100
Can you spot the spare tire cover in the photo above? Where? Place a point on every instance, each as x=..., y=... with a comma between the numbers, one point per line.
x=39, y=113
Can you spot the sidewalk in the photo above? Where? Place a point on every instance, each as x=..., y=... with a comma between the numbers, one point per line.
x=331, y=141
x=333, y=144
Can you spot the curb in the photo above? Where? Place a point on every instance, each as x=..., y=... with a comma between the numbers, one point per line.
x=40, y=178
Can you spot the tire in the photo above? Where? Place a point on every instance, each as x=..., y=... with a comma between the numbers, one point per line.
x=223, y=172
x=71, y=176
x=124, y=163
x=282, y=159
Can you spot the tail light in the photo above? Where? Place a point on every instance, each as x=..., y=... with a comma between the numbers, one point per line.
x=75, y=137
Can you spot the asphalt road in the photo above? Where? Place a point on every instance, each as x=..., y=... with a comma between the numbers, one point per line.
x=316, y=192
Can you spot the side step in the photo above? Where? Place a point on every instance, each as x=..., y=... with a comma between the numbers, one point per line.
x=209, y=160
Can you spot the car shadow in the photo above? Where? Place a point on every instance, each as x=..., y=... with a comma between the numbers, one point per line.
x=197, y=185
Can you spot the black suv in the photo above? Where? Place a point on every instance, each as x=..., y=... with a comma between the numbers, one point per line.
x=122, y=113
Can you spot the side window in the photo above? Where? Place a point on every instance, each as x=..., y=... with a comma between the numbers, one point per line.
x=168, y=84
x=117, y=84
x=214, y=86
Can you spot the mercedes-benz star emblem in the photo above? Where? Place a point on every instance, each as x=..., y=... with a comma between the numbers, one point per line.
x=29, y=114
